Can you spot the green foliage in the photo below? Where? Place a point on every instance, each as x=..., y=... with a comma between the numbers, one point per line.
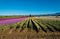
x=35, y=24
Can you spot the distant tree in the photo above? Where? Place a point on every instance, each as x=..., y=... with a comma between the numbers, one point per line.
x=30, y=15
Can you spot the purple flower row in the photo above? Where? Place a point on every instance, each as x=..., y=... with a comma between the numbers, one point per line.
x=10, y=21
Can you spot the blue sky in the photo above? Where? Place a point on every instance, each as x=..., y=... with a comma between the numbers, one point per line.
x=26, y=7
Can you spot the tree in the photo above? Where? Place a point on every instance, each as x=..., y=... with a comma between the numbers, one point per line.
x=30, y=15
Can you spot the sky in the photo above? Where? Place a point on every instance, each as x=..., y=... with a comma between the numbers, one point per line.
x=26, y=7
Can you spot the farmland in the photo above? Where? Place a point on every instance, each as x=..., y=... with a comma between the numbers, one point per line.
x=31, y=28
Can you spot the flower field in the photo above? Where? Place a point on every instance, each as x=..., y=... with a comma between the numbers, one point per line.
x=31, y=26
x=10, y=21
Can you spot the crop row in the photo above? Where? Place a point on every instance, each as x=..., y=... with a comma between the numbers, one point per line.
x=36, y=25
